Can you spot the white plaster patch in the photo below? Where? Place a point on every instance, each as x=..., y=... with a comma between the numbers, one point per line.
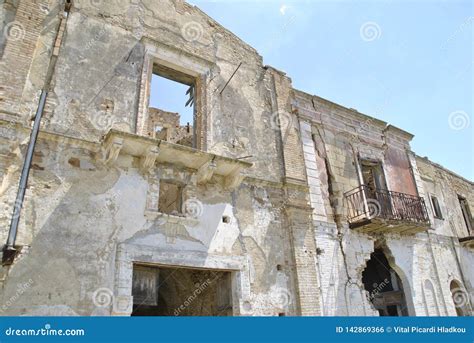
x=216, y=235
x=130, y=197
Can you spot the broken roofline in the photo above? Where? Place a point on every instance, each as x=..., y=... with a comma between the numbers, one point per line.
x=385, y=127
x=439, y=166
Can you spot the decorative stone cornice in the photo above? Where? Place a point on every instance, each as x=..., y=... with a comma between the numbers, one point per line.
x=234, y=179
x=112, y=148
x=147, y=161
x=205, y=172
x=151, y=151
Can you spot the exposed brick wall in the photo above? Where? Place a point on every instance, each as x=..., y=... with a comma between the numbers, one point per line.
x=289, y=127
x=304, y=250
x=18, y=54
x=427, y=262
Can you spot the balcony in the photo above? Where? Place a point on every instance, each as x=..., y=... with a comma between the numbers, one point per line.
x=385, y=211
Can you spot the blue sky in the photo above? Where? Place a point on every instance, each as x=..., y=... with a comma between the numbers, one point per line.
x=409, y=63
x=171, y=96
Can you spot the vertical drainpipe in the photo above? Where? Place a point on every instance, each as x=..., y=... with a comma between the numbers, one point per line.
x=9, y=249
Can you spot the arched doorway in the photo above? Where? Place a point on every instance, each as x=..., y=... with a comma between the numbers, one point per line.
x=384, y=286
x=460, y=298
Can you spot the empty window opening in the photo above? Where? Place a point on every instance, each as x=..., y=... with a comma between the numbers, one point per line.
x=170, y=198
x=172, y=106
x=375, y=186
x=384, y=286
x=466, y=213
x=373, y=176
x=226, y=219
x=166, y=291
x=436, y=208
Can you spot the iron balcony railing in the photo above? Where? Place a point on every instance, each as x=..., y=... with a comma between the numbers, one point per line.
x=365, y=204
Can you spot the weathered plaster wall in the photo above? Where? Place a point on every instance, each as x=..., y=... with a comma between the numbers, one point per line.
x=286, y=240
x=446, y=186
x=82, y=212
x=86, y=77
x=79, y=210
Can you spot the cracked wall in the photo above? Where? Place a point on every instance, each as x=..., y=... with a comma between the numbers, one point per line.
x=278, y=223
x=78, y=210
x=334, y=140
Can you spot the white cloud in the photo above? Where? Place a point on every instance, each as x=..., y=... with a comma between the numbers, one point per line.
x=283, y=9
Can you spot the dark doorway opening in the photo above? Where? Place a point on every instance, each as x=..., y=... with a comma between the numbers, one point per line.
x=163, y=291
x=384, y=286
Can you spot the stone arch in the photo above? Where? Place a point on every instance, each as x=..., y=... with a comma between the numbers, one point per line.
x=407, y=288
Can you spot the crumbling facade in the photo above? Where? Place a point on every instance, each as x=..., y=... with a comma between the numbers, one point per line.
x=272, y=202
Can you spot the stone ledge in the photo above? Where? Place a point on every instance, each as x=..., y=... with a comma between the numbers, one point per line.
x=152, y=151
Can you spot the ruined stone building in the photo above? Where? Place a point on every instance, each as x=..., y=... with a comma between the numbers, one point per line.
x=270, y=202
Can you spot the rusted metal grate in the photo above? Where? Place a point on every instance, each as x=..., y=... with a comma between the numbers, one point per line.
x=364, y=204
